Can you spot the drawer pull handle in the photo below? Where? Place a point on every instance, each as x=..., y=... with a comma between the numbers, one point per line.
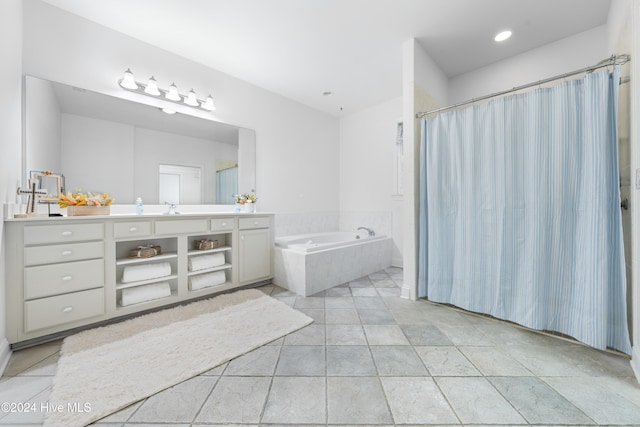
x=256, y=222
x=67, y=278
x=67, y=309
x=67, y=233
x=132, y=229
x=241, y=237
x=224, y=224
x=65, y=253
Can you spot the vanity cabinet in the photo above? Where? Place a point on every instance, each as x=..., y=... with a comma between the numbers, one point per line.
x=55, y=276
x=255, y=249
x=65, y=273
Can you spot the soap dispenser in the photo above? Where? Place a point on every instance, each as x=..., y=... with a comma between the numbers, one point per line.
x=139, y=206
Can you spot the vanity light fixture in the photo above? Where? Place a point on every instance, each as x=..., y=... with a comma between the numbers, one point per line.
x=191, y=99
x=152, y=87
x=173, y=94
x=208, y=104
x=128, y=82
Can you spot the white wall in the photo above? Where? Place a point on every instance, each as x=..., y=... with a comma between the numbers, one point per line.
x=367, y=155
x=294, y=143
x=10, y=132
x=367, y=169
x=572, y=53
x=429, y=76
x=424, y=87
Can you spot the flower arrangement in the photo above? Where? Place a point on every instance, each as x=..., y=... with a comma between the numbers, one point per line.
x=80, y=199
x=241, y=199
x=251, y=198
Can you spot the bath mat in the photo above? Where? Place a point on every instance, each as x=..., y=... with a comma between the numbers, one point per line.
x=106, y=369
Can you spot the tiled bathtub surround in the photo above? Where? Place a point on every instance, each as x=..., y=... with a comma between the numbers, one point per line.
x=371, y=358
x=380, y=222
x=290, y=224
x=309, y=273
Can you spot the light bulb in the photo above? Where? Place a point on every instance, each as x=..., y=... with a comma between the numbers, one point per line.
x=208, y=104
x=128, y=81
x=503, y=36
x=191, y=99
x=152, y=87
x=173, y=93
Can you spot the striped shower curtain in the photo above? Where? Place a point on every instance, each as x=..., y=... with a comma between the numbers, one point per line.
x=520, y=211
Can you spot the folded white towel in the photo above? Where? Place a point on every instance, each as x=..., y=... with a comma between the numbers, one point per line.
x=203, y=262
x=144, y=293
x=134, y=273
x=207, y=280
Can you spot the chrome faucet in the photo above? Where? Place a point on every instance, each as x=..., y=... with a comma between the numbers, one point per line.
x=370, y=231
x=172, y=208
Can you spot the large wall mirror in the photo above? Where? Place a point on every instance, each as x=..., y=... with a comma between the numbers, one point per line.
x=103, y=143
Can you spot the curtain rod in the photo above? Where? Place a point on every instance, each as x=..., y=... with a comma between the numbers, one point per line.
x=612, y=60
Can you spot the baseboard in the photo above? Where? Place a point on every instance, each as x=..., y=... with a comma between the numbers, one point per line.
x=5, y=355
x=405, y=291
x=396, y=262
x=635, y=361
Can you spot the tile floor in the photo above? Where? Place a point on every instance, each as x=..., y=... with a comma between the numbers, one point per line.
x=371, y=358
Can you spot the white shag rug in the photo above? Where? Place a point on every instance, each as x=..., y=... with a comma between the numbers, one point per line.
x=106, y=369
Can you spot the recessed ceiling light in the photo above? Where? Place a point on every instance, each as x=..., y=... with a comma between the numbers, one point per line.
x=502, y=36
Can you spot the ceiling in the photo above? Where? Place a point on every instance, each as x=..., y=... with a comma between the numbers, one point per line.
x=352, y=48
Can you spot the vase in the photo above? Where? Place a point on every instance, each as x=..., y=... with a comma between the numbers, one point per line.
x=249, y=207
x=88, y=210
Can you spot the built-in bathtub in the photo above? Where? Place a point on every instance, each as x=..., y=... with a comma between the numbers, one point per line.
x=310, y=263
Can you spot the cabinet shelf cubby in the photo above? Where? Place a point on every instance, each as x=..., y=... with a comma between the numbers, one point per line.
x=209, y=270
x=196, y=252
x=126, y=261
x=120, y=286
x=151, y=303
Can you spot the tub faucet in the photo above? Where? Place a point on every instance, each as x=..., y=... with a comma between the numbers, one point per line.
x=172, y=208
x=370, y=231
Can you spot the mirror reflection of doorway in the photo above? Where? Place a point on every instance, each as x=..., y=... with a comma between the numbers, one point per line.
x=180, y=185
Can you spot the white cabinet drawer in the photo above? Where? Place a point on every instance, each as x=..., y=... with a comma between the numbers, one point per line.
x=254, y=222
x=222, y=224
x=38, y=255
x=131, y=229
x=181, y=226
x=42, y=234
x=53, y=311
x=62, y=278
